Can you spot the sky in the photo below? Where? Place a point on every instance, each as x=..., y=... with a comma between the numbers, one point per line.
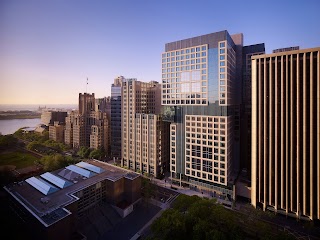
x=48, y=49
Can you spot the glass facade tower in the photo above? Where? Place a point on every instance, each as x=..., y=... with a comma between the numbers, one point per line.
x=200, y=96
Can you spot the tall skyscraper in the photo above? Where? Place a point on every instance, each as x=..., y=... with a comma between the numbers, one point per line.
x=245, y=120
x=201, y=78
x=116, y=117
x=137, y=98
x=86, y=103
x=286, y=132
x=89, y=127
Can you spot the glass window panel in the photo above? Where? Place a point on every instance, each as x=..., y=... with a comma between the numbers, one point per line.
x=185, y=76
x=185, y=87
x=195, y=75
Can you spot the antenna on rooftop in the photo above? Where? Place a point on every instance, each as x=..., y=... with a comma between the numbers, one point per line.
x=87, y=85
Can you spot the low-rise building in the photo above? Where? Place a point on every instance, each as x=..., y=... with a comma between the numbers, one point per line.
x=56, y=132
x=54, y=203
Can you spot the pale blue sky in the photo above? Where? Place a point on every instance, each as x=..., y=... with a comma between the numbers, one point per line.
x=48, y=48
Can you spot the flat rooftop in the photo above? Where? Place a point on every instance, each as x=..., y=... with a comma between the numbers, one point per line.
x=49, y=208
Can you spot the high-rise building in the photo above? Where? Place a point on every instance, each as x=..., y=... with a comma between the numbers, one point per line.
x=89, y=127
x=86, y=103
x=99, y=136
x=245, y=120
x=137, y=97
x=201, y=78
x=286, y=132
x=116, y=117
x=68, y=131
x=151, y=144
x=79, y=132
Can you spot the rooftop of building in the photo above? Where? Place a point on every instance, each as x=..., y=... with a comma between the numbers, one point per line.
x=287, y=51
x=45, y=196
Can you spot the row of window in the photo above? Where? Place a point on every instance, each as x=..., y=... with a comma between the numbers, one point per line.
x=181, y=63
x=183, y=68
x=184, y=51
x=216, y=178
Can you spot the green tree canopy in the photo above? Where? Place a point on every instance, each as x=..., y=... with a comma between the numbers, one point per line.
x=56, y=161
x=96, y=154
x=7, y=141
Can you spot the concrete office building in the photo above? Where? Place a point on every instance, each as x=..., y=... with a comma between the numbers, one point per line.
x=56, y=132
x=201, y=78
x=100, y=132
x=68, y=131
x=286, y=132
x=137, y=97
x=115, y=124
x=151, y=144
x=79, y=132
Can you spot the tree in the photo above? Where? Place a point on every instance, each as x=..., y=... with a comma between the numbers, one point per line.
x=96, y=154
x=84, y=152
x=56, y=161
x=7, y=141
x=171, y=225
x=148, y=189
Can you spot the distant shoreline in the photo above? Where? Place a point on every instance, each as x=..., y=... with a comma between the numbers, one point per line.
x=9, y=117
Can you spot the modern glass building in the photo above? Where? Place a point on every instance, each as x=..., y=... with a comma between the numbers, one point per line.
x=201, y=82
x=116, y=117
x=245, y=119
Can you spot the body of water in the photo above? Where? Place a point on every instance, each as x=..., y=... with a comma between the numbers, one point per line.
x=12, y=125
x=35, y=107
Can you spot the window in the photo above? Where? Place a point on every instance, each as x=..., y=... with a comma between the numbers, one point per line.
x=222, y=57
x=222, y=51
x=222, y=44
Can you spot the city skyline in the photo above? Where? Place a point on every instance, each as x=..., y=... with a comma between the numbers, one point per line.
x=49, y=50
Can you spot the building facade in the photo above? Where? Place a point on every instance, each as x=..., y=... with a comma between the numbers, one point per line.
x=285, y=132
x=116, y=117
x=245, y=122
x=56, y=132
x=49, y=117
x=151, y=144
x=99, y=136
x=200, y=94
x=68, y=131
x=137, y=97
